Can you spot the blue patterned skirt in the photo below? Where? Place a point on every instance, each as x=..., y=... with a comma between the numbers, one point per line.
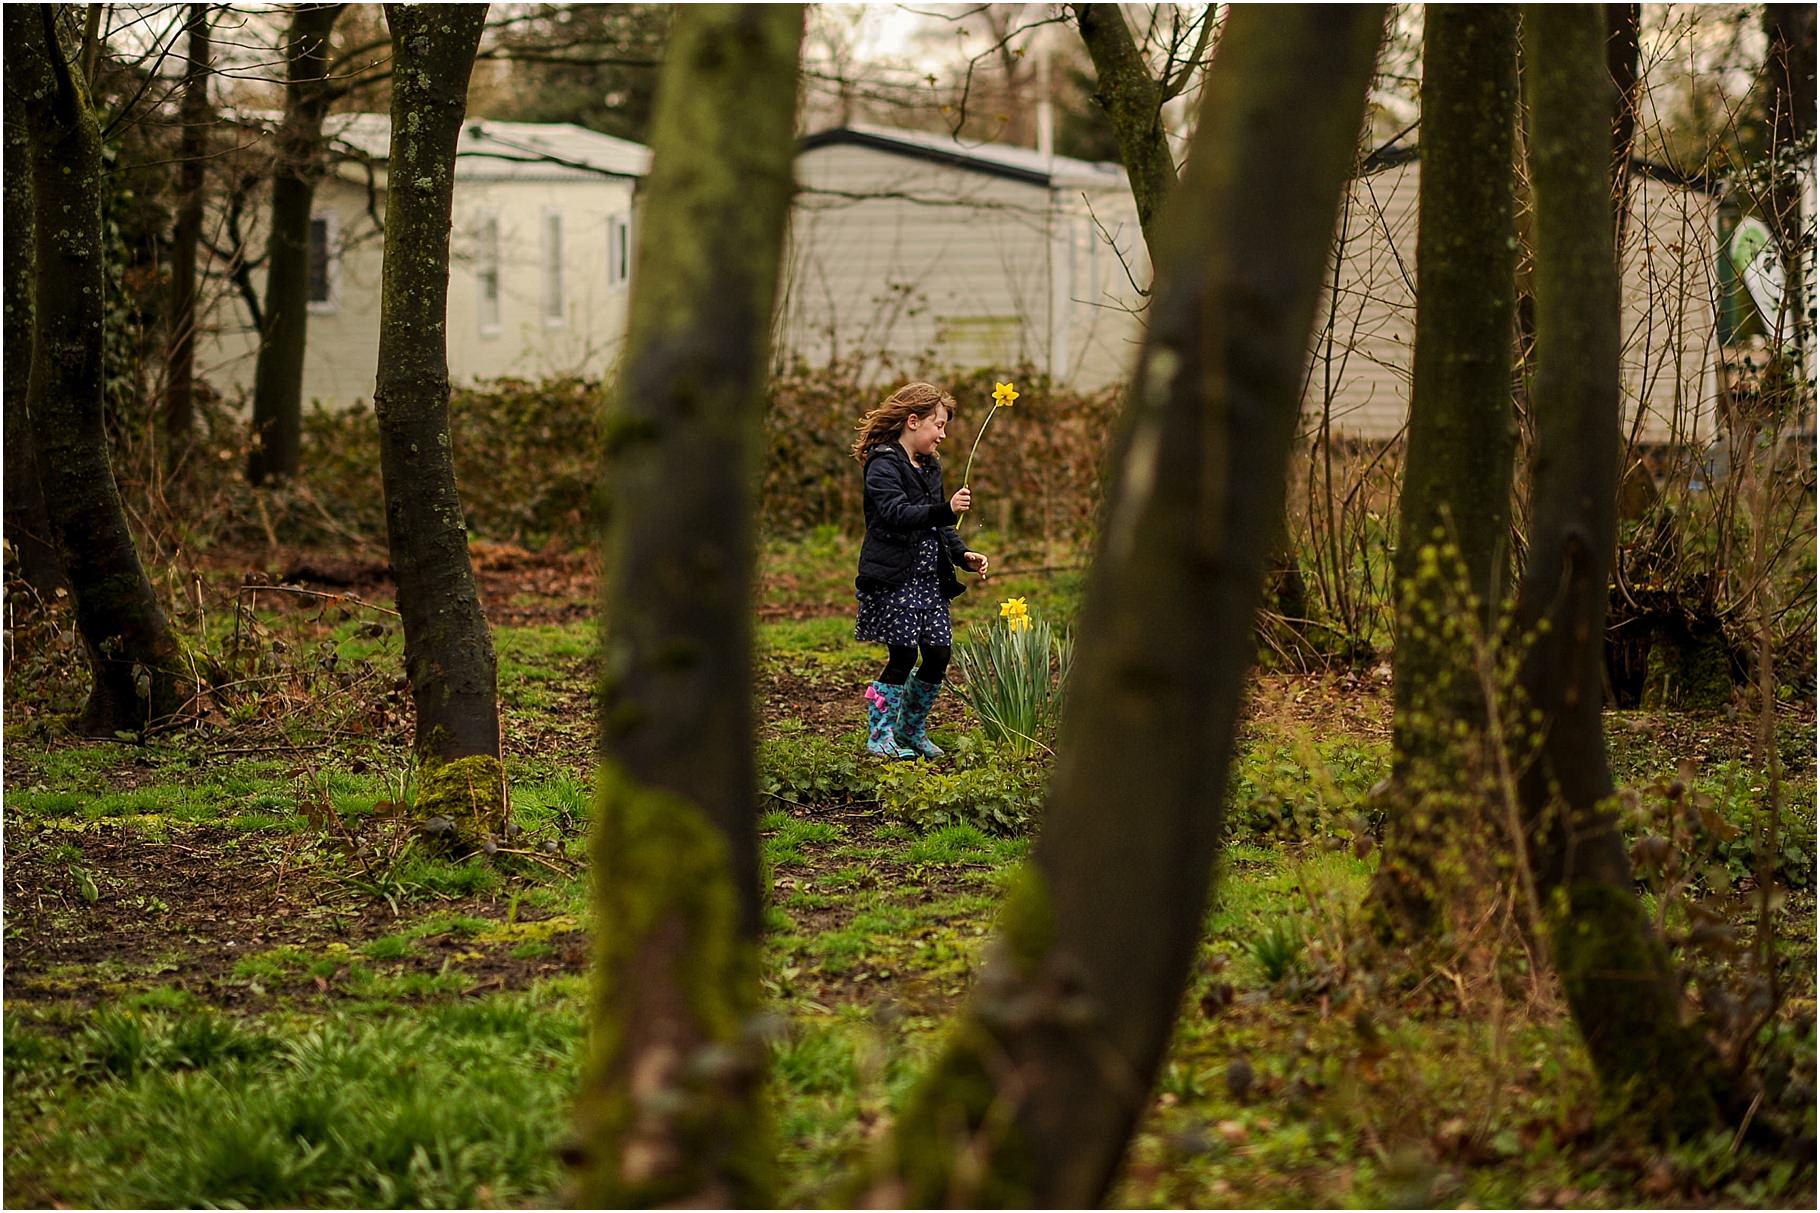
x=908, y=614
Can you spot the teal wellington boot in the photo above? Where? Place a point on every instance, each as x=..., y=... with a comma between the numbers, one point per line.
x=883, y=702
x=913, y=717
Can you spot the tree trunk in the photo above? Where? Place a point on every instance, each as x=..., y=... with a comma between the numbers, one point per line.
x=1455, y=503
x=27, y=525
x=297, y=166
x=1614, y=970
x=1789, y=68
x=1133, y=101
x=448, y=650
x=1623, y=39
x=670, y=1110
x=179, y=403
x=1050, y=1068
x=135, y=657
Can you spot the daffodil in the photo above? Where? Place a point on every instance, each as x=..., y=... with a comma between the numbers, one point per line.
x=1015, y=614
x=1004, y=395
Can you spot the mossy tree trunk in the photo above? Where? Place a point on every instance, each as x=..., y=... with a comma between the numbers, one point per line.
x=186, y=237
x=296, y=168
x=1613, y=968
x=1455, y=503
x=27, y=525
x=448, y=649
x=1039, y=1089
x=671, y=1108
x=135, y=657
x=1133, y=101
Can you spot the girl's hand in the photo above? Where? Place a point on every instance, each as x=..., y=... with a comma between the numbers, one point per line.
x=962, y=501
x=976, y=562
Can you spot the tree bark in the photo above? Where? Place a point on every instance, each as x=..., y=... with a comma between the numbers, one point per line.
x=670, y=1110
x=180, y=403
x=1790, y=67
x=1045, y=1078
x=448, y=649
x=1623, y=47
x=296, y=168
x=135, y=658
x=1790, y=71
x=27, y=525
x=1613, y=968
x=1133, y=101
x=1455, y=503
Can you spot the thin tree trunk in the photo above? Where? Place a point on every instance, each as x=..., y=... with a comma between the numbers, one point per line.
x=1043, y=1082
x=448, y=649
x=1455, y=503
x=180, y=404
x=670, y=1110
x=297, y=166
x=1789, y=68
x=1614, y=970
x=27, y=525
x=1623, y=46
x=135, y=657
x=1133, y=101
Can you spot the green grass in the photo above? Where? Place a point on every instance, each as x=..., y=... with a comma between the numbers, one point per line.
x=463, y=1110
x=784, y=837
x=374, y=1062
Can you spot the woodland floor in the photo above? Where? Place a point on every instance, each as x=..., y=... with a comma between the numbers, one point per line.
x=232, y=977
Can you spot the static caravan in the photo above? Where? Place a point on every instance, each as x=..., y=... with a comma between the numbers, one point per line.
x=540, y=259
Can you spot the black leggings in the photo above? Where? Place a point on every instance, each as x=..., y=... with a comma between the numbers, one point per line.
x=903, y=656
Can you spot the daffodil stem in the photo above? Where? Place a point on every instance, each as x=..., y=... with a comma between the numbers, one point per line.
x=967, y=473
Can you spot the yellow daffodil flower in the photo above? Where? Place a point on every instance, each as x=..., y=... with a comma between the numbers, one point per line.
x=1004, y=395
x=1012, y=607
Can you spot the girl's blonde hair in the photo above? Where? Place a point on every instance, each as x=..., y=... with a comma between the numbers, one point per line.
x=887, y=420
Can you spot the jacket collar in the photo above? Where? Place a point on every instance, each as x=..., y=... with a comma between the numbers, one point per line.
x=894, y=447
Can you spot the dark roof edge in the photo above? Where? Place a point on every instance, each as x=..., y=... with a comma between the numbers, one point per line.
x=1392, y=155
x=842, y=134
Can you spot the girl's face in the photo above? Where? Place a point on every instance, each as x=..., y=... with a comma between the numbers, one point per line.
x=923, y=434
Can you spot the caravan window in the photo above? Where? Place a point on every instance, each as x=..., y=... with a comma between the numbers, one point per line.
x=619, y=249
x=552, y=267
x=486, y=262
x=322, y=263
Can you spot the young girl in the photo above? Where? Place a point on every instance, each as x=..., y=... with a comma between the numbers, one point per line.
x=907, y=564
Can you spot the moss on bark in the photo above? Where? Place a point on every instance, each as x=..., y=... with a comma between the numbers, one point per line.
x=1651, y=1063
x=470, y=791
x=1455, y=501
x=669, y=1108
x=1688, y=668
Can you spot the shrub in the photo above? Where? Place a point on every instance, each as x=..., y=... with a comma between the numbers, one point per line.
x=1045, y=466
x=805, y=769
x=989, y=787
x=1301, y=791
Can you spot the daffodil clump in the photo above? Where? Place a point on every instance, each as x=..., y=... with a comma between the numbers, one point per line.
x=1004, y=395
x=1013, y=675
